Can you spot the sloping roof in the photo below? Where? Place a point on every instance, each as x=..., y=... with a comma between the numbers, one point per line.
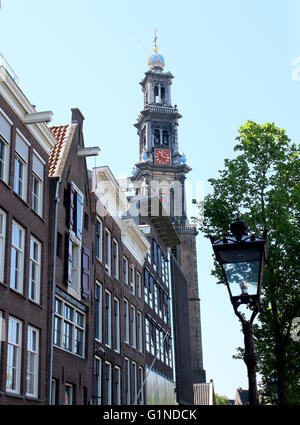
x=57, y=158
x=243, y=395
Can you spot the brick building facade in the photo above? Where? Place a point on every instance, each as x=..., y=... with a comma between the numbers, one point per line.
x=24, y=251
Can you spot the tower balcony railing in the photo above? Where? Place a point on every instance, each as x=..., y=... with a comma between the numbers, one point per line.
x=160, y=109
x=186, y=228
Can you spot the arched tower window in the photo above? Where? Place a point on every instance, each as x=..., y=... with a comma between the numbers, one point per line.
x=156, y=137
x=165, y=137
x=144, y=139
x=163, y=94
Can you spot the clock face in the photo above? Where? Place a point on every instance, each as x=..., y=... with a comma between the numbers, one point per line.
x=162, y=156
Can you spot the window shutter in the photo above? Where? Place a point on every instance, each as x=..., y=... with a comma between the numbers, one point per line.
x=70, y=261
x=72, y=190
x=85, y=272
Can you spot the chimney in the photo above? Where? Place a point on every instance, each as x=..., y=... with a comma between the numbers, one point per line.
x=78, y=118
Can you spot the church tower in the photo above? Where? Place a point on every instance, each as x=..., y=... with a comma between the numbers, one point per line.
x=161, y=172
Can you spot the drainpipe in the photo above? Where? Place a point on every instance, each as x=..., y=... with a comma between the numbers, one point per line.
x=56, y=201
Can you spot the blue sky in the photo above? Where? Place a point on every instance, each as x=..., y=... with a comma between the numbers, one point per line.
x=232, y=61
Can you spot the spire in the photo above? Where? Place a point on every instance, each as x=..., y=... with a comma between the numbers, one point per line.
x=156, y=61
x=155, y=48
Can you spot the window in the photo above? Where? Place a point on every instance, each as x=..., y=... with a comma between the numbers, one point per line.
x=154, y=247
x=97, y=399
x=157, y=137
x=132, y=280
x=125, y=270
x=76, y=211
x=17, y=257
x=134, y=382
x=163, y=93
x=161, y=297
x=108, y=384
x=149, y=255
x=99, y=311
x=140, y=332
x=162, y=345
x=159, y=260
x=156, y=298
x=146, y=285
x=37, y=185
x=54, y=392
x=107, y=251
x=116, y=259
x=59, y=245
x=21, y=167
x=75, y=266
x=2, y=242
x=139, y=284
x=116, y=325
x=147, y=327
x=35, y=270
x=165, y=137
x=127, y=381
x=117, y=386
x=152, y=338
x=151, y=292
x=69, y=328
x=5, y=136
x=126, y=321
x=141, y=389
x=32, y=362
x=167, y=272
x=69, y=394
x=133, y=326
x=107, y=319
x=14, y=347
x=157, y=342
x=99, y=239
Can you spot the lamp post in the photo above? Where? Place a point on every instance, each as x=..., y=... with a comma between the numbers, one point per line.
x=241, y=257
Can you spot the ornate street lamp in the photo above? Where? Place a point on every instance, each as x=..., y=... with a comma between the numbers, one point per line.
x=241, y=257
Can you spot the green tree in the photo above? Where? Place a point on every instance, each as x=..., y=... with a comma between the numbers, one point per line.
x=262, y=184
x=221, y=399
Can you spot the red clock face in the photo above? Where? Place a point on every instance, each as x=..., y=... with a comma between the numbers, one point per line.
x=162, y=156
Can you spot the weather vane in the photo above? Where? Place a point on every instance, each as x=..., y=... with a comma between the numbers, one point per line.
x=155, y=40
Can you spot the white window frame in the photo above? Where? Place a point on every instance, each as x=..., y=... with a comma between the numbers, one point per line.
x=109, y=384
x=127, y=375
x=33, y=352
x=73, y=325
x=38, y=174
x=38, y=264
x=107, y=251
x=155, y=297
x=116, y=258
x=108, y=315
x=147, y=332
x=24, y=162
x=117, y=385
x=140, y=331
x=139, y=284
x=134, y=382
x=20, y=266
x=37, y=196
x=117, y=326
x=71, y=389
x=126, y=321
x=141, y=388
x=100, y=240
x=126, y=271
x=132, y=279
x=6, y=144
x=99, y=304
x=133, y=325
x=98, y=384
x=2, y=243
x=16, y=346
